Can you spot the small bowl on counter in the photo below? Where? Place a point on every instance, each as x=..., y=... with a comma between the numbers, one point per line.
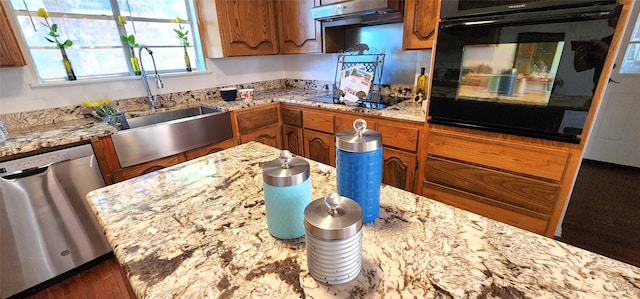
x=229, y=93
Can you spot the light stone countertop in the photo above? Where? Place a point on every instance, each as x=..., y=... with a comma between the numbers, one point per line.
x=83, y=130
x=177, y=236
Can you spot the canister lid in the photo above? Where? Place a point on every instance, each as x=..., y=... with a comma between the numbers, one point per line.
x=286, y=170
x=359, y=139
x=333, y=217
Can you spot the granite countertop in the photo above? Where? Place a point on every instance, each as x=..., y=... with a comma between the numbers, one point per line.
x=177, y=236
x=70, y=132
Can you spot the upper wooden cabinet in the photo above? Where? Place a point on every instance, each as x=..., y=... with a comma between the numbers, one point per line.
x=299, y=32
x=10, y=54
x=247, y=27
x=420, y=24
x=243, y=28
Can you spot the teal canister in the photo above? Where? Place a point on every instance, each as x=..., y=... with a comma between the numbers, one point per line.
x=287, y=191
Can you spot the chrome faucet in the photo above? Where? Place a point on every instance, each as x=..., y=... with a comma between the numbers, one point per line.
x=150, y=97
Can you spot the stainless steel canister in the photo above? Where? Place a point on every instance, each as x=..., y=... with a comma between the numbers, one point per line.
x=359, y=167
x=287, y=191
x=333, y=239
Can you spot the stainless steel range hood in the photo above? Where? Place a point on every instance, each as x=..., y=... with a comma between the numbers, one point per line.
x=359, y=12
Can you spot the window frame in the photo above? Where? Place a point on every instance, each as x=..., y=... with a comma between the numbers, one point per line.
x=197, y=61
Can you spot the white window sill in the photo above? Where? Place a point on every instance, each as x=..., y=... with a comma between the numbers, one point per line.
x=111, y=79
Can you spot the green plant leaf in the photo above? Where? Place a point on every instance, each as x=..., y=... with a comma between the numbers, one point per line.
x=54, y=27
x=49, y=39
x=67, y=43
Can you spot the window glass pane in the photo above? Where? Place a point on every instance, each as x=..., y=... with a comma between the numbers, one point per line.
x=157, y=9
x=158, y=34
x=92, y=7
x=85, y=62
x=631, y=61
x=82, y=32
x=168, y=59
x=635, y=37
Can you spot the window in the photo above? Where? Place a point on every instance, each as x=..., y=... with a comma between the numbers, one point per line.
x=98, y=49
x=631, y=60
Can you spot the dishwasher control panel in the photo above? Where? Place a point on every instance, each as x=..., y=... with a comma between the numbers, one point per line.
x=40, y=160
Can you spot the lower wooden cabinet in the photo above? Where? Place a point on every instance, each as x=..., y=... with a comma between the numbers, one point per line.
x=514, y=180
x=147, y=167
x=269, y=135
x=210, y=149
x=261, y=124
x=292, y=140
x=112, y=173
x=320, y=147
x=398, y=168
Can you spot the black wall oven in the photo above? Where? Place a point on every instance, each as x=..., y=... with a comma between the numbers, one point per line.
x=528, y=73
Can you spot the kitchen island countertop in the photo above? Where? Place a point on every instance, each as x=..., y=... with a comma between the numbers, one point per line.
x=177, y=236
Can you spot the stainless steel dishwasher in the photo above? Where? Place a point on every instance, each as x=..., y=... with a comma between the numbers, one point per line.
x=46, y=226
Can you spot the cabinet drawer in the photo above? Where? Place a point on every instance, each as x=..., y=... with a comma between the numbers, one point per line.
x=541, y=162
x=318, y=121
x=535, y=195
x=292, y=117
x=399, y=136
x=256, y=118
x=345, y=122
x=486, y=207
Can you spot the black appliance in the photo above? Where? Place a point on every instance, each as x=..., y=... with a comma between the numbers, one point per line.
x=465, y=8
x=528, y=73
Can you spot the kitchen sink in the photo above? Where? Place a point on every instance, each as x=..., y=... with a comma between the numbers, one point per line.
x=161, y=117
x=164, y=134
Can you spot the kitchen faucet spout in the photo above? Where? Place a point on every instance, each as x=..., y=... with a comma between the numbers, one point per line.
x=153, y=103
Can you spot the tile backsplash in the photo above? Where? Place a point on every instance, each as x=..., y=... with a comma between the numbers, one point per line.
x=139, y=106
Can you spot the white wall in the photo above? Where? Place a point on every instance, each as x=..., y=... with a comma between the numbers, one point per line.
x=19, y=90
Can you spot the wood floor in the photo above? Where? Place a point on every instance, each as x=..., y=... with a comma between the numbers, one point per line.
x=603, y=215
x=104, y=280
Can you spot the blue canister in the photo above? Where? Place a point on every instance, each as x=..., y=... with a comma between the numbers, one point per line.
x=359, y=167
x=287, y=191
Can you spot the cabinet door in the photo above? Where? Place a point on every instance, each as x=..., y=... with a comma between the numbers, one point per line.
x=420, y=23
x=247, y=27
x=210, y=149
x=320, y=147
x=10, y=54
x=292, y=140
x=398, y=168
x=299, y=32
x=268, y=135
x=151, y=166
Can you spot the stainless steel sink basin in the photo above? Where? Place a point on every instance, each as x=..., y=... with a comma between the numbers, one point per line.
x=161, y=117
x=164, y=134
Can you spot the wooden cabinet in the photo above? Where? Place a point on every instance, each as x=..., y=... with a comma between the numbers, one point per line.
x=515, y=182
x=261, y=124
x=400, y=161
x=292, y=129
x=247, y=27
x=320, y=147
x=420, y=24
x=10, y=54
x=398, y=168
x=151, y=166
x=269, y=135
x=242, y=28
x=210, y=149
x=318, y=136
x=113, y=173
x=299, y=32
